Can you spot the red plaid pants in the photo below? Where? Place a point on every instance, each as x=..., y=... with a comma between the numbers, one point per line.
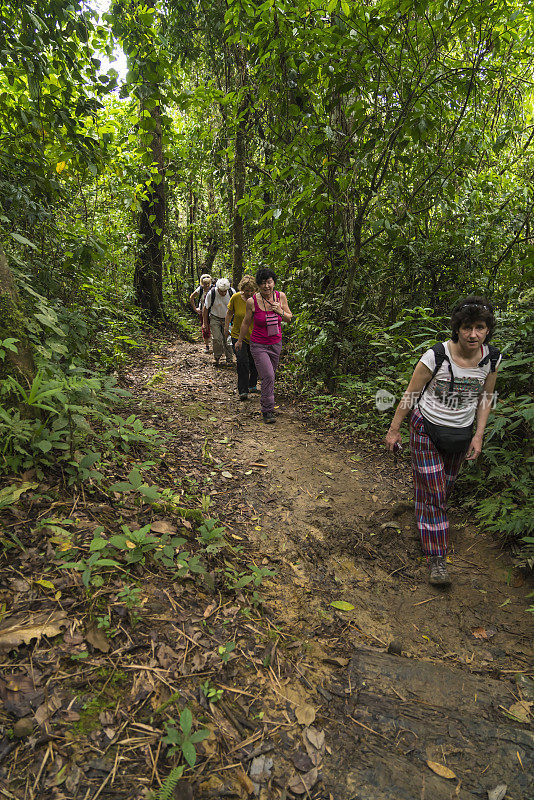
x=434, y=474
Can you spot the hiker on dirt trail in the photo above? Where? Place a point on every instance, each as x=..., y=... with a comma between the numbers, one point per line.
x=453, y=383
x=196, y=300
x=268, y=309
x=247, y=374
x=214, y=313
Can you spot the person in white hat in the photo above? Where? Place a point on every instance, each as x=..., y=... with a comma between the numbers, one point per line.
x=214, y=313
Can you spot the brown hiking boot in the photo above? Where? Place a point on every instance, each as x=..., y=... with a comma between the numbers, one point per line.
x=438, y=572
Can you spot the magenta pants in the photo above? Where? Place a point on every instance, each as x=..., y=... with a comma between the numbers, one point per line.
x=266, y=358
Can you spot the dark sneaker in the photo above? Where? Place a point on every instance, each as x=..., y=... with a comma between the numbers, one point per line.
x=243, y=396
x=207, y=349
x=253, y=390
x=268, y=417
x=438, y=572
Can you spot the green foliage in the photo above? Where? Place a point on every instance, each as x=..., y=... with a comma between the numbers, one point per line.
x=225, y=651
x=6, y=345
x=210, y=692
x=166, y=790
x=59, y=420
x=182, y=739
x=501, y=484
x=10, y=495
x=135, y=484
x=252, y=576
x=127, y=549
x=211, y=536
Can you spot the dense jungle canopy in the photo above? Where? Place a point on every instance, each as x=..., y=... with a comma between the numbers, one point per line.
x=379, y=156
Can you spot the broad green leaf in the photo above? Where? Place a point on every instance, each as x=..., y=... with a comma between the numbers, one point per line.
x=23, y=240
x=342, y=605
x=190, y=754
x=186, y=721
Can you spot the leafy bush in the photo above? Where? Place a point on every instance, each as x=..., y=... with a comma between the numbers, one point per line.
x=501, y=482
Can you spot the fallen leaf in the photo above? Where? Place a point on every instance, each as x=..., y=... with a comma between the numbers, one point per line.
x=305, y=714
x=521, y=711
x=441, y=770
x=386, y=525
x=337, y=661
x=498, y=793
x=73, y=779
x=98, y=639
x=227, y=474
x=303, y=783
x=48, y=709
x=302, y=761
x=315, y=737
x=162, y=526
x=209, y=610
x=483, y=633
x=22, y=628
x=342, y=605
x=46, y=584
x=260, y=769
x=245, y=781
x=23, y=727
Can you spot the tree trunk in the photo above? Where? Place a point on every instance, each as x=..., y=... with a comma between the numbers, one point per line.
x=239, y=191
x=213, y=247
x=148, y=276
x=344, y=313
x=12, y=326
x=239, y=165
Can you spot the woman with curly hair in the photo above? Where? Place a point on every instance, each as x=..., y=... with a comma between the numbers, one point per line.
x=452, y=385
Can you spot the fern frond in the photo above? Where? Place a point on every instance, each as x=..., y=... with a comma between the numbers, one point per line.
x=167, y=787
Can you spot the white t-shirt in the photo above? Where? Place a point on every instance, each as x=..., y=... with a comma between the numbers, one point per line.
x=220, y=303
x=457, y=408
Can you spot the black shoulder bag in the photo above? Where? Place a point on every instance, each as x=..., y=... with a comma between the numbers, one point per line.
x=445, y=438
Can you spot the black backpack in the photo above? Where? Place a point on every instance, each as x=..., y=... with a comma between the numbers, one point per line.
x=441, y=356
x=212, y=297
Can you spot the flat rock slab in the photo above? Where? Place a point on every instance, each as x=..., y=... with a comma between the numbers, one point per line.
x=407, y=712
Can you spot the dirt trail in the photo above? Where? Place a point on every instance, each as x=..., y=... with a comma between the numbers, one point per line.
x=336, y=521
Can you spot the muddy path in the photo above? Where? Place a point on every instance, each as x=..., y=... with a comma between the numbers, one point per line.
x=409, y=674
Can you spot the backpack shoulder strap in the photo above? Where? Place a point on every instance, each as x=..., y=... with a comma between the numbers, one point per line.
x=492, y=357
x=212, y=297
x=231, y=291
x=440, y=355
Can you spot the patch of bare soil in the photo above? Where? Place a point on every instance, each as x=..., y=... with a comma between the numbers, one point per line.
x=400, y=692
